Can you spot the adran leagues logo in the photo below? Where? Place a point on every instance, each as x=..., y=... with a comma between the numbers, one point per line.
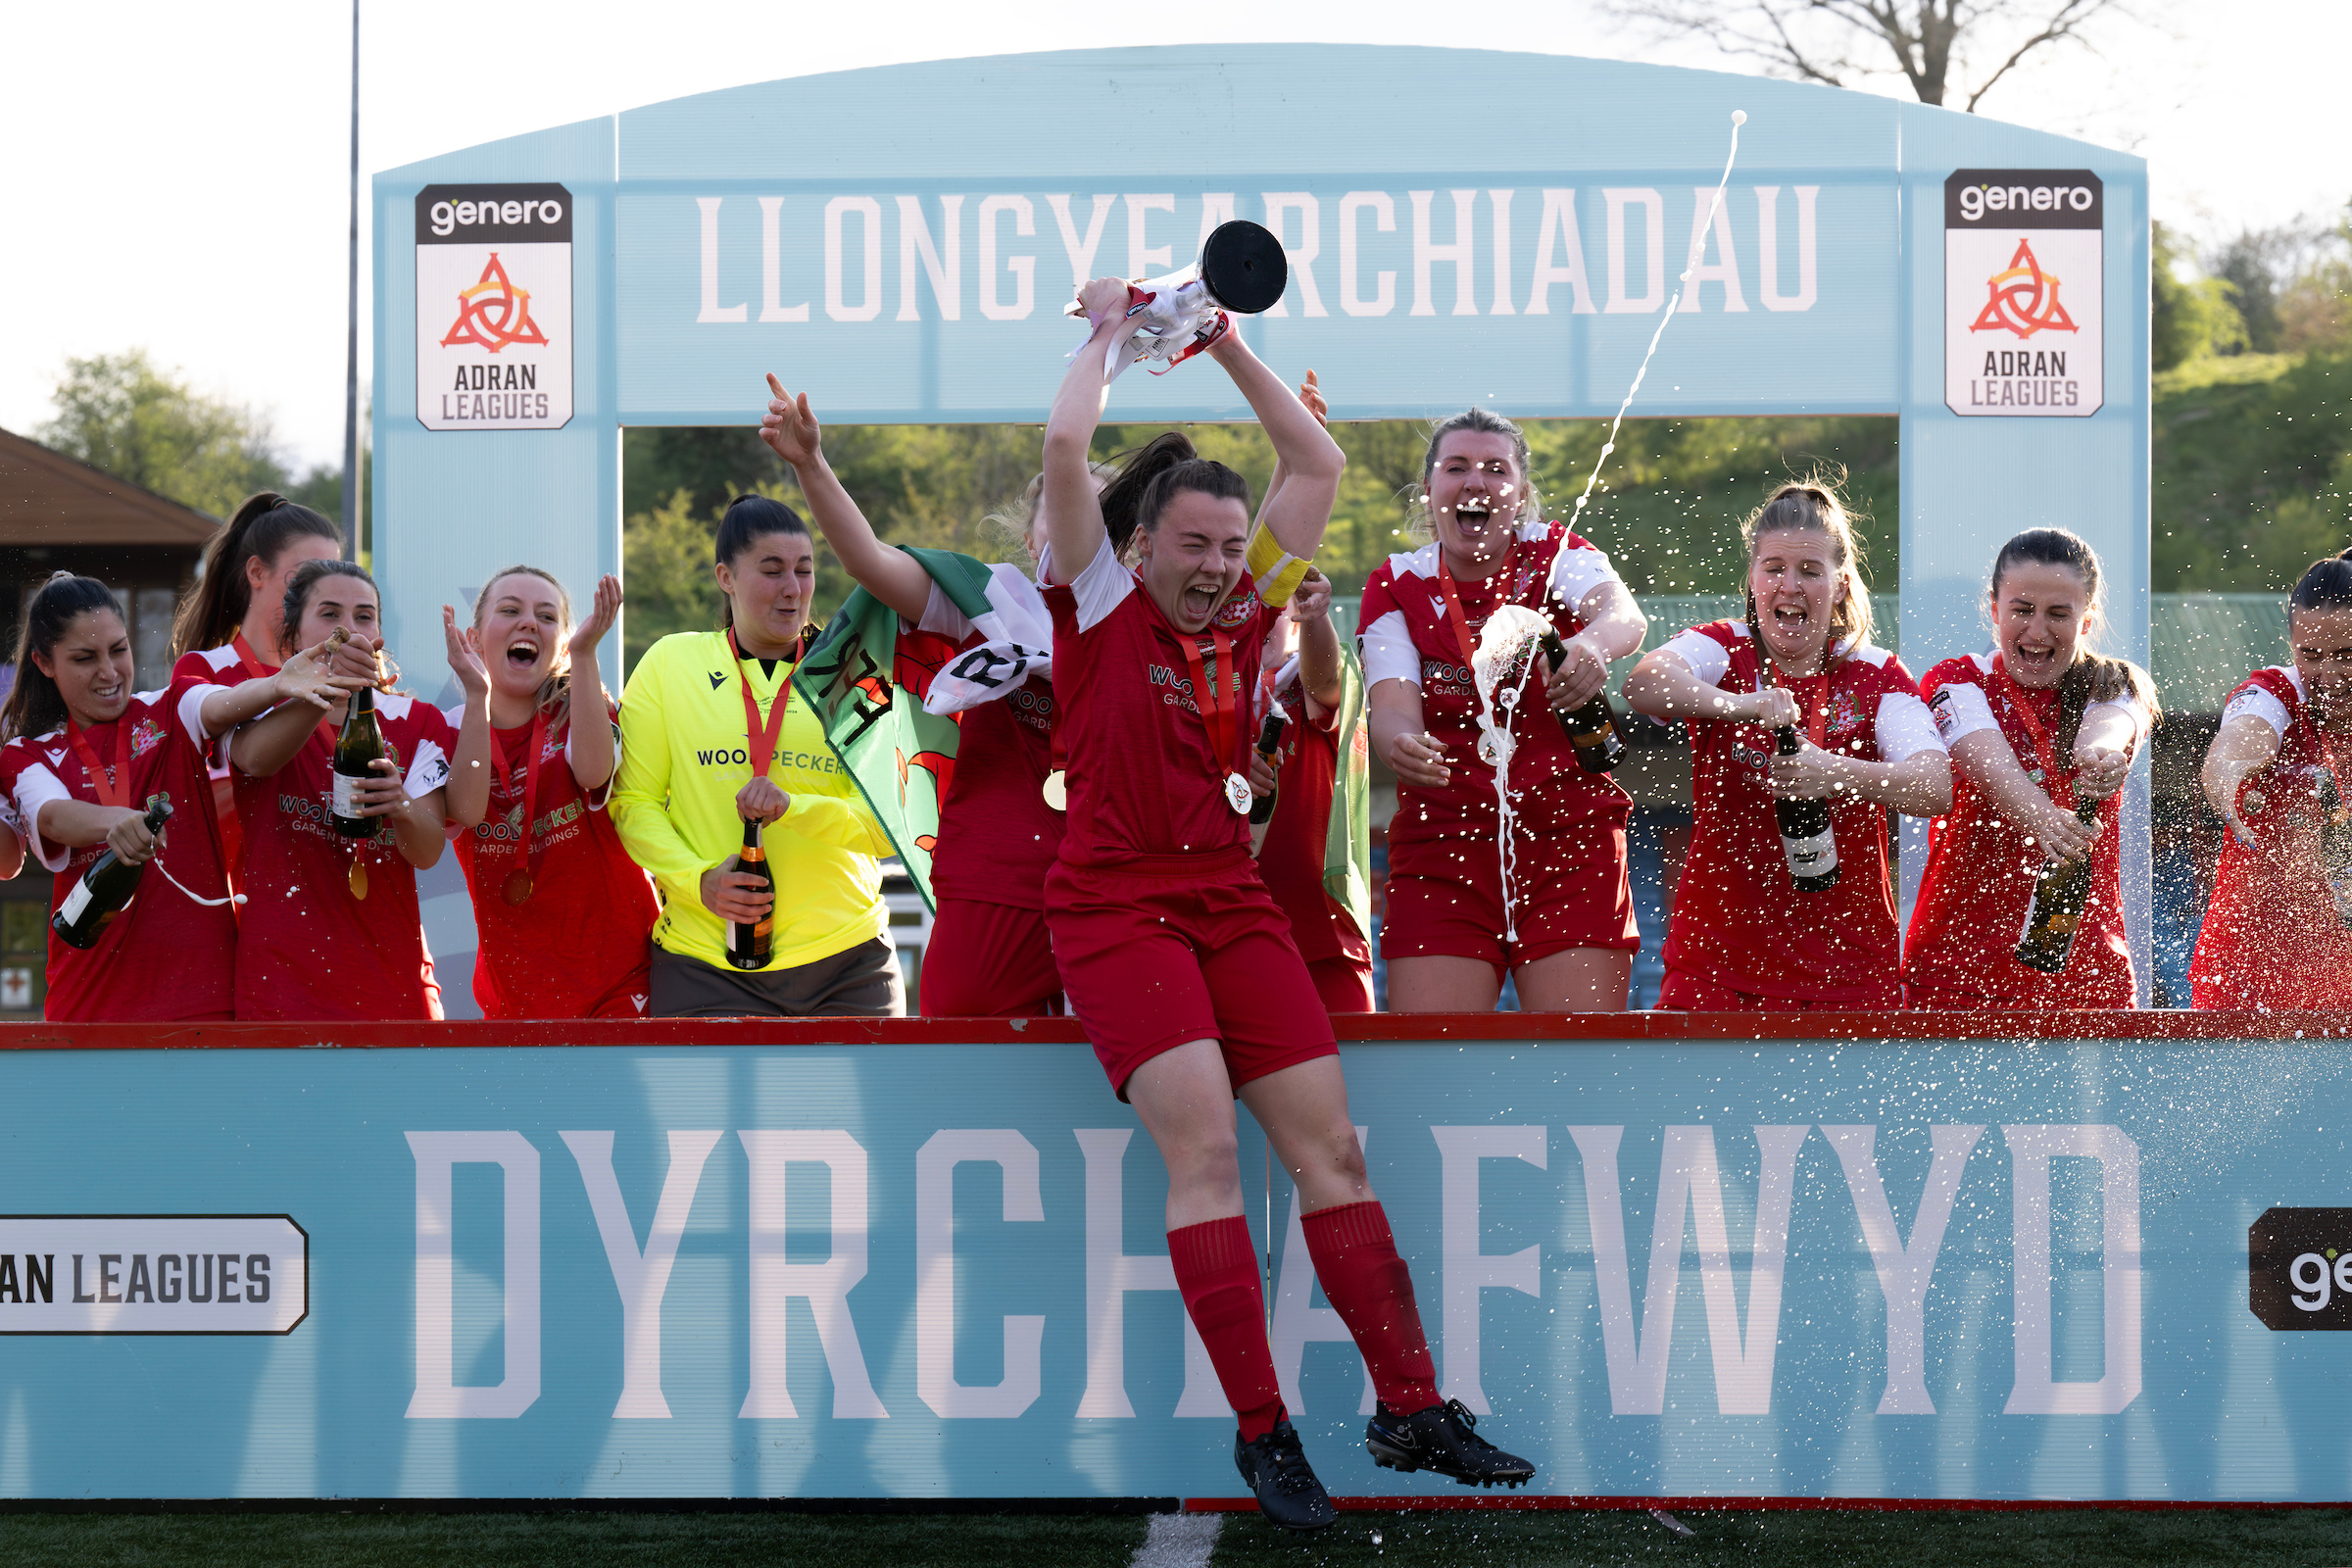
x=2023, y=298
x=494, y=312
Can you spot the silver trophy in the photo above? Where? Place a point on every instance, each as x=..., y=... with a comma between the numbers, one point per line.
x=1241, y=271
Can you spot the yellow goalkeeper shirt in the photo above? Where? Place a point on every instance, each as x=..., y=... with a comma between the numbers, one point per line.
x=684, y=755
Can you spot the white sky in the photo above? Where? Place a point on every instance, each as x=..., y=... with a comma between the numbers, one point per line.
x=175, y=177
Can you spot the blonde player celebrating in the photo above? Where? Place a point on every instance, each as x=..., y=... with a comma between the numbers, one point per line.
x=1171, y=952
x=1740, y=939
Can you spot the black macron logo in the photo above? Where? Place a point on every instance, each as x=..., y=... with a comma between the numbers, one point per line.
x=717, y=680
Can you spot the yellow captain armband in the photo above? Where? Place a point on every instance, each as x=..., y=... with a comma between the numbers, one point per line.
x=1277, y=571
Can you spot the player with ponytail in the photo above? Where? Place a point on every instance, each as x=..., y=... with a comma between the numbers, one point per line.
x=2039, y=727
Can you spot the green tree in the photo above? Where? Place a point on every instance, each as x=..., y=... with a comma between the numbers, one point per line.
x=2191, y=319
x=121, y=414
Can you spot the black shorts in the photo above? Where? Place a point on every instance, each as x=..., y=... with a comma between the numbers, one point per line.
x=860, y=982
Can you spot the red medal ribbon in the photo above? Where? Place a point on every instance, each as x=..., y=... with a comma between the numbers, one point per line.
x=1216, y=707
x=2053, y=783
x=1454, y=605
x=761, y=735
x=113, y=785
x=519, y=886
x=255, y=669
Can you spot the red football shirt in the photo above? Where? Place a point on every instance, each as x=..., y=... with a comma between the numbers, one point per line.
x=224, y=667
x=1143, y=779
x=164, y=958
x=1978, y=882
x=1739, y=919
x=2271, y=936
x=307, y=949
x=1291, y=858
x=1405, y=634
x=997, y=835
x=580, y=946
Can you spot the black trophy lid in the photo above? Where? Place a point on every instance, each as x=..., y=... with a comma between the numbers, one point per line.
x=1243, y=267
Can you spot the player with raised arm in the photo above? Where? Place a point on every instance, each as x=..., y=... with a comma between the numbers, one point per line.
x=1171, y=952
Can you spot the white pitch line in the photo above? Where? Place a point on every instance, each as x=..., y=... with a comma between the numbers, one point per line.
x=1179, y=1540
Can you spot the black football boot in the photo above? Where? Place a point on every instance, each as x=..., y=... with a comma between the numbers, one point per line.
x=1440, y=1439
x=1276, y=1468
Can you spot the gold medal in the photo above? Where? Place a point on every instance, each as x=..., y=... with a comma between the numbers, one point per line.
x=2254, y=801
x=1236, y=794
x=517, y=891
x=358, y=878
x=1056, y=792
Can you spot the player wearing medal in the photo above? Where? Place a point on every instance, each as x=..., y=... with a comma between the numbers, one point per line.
x=712, y=736
x=1171, y=952
x=231, y=623
x=562, y=911
x=84, y=756
x=2037, y=726
x=330, y=929
x=1571, y=901
x=1306, y=674
x=1001, y=823
x=1742, y=936
x=2279, y=932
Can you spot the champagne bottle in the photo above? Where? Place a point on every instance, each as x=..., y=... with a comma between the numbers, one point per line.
x=1270, y=741
x=105, y=888
x=1591, y=730
x=749, y=946
x=357, y=750
x=1806, y=835
x=2061, y=896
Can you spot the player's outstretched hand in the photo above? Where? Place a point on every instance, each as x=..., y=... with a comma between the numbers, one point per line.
x=790, y=426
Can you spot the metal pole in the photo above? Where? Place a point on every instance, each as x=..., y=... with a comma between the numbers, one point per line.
x=351, y=342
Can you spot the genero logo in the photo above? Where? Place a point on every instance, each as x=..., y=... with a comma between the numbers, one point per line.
x=2023, y=329
x=2299, y=1269
x=494, y=325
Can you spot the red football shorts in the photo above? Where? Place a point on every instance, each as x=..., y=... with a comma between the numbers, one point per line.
x=1445, y=900
x=1156, y=952
x=1344, y=984
x=989, y=960
x=1682, y=991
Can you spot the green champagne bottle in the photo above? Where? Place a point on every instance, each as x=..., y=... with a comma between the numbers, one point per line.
x=751, y=946
x=1591, y=729
x=1806, y=836
x=2061, y=896
x=105, y=888
x=1269, y=741
x=357, y=750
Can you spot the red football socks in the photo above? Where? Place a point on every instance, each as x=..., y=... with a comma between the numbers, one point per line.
x=1372, y=1290
x=1217, y=1274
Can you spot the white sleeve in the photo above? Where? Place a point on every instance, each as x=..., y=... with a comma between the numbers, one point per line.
x=1102, y=587
x=1708, y=658
x=2135, y=709
x=1577, y=571
x=940, y=616
x=37, y=787
x=428, y=769
x=1903, y=728
x=191, y=714
x=1959, y=711
x=2255, y=703
x=1388, y=652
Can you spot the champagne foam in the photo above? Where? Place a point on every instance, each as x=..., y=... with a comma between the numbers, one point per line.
x=1498, y=670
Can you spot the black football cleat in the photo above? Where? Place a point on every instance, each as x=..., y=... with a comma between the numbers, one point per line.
x=1276, y=1468
x=1440, y=1439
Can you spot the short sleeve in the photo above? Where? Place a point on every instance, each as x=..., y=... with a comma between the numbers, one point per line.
x=2252, y=702
x=1709, y=659
x=32, y=787
x=187, y=697
x=1388, y=651
x=428, y=756
x=1959, y=711
x=1100, y=589
x=940, y=616
x=2133, y=709
x=1903, y=728
x=1577, y=569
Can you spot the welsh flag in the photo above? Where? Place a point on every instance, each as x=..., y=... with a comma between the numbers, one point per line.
x=1348, y=840
x=866, y=679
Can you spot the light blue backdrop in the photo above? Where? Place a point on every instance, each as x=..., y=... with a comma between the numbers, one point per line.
x=927, y=1207
x=702, y=259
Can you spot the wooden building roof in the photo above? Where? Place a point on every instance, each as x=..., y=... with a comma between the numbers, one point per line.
x=47, y=498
